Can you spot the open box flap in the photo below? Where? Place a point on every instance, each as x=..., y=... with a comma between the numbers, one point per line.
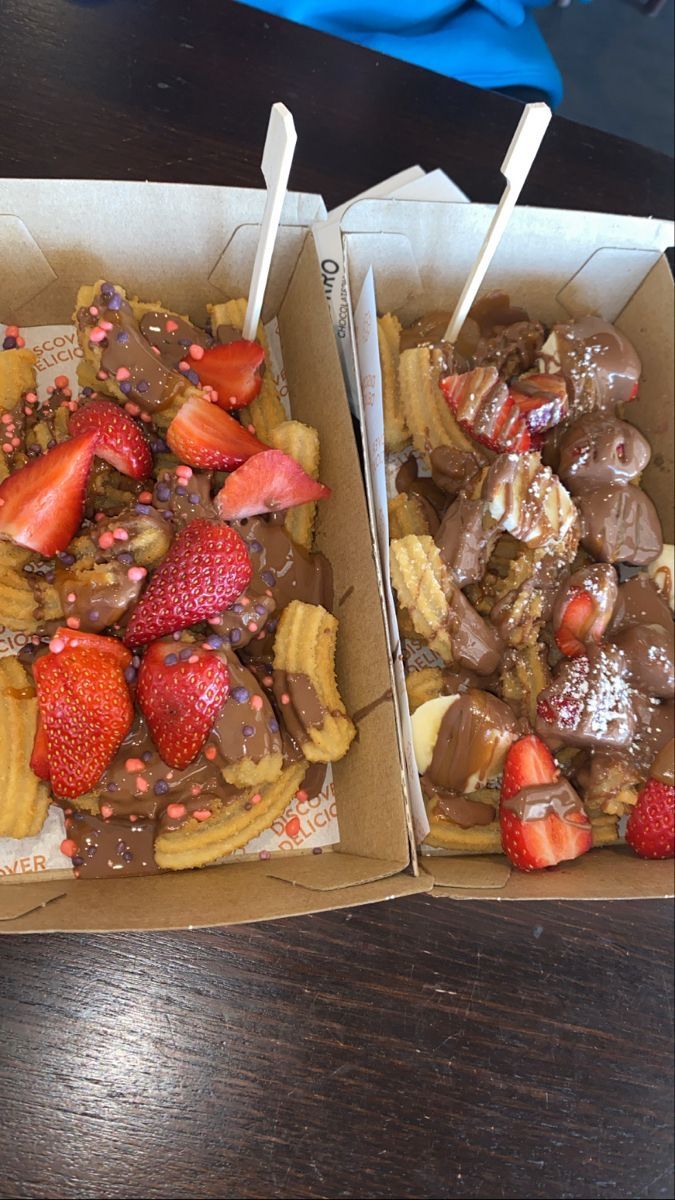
x=555, y=263
x=57, y=234
x=610, y=873
x=229, y=895
x=336, y=870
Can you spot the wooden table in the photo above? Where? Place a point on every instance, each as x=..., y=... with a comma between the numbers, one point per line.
x=418, y=1049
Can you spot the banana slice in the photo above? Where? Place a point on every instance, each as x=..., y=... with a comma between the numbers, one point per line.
x=426, y=722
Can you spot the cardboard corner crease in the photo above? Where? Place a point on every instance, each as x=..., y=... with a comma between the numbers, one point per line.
x=558, y=265
x=191, y=245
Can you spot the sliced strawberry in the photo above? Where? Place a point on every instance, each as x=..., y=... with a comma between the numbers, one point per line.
x=535, y=835
x=534, y=844
x=202, y=435
x=70, y=639
x=267, y=483
x=542, y=401
x=86, y=711
x=528, y=762
x=39, y=759
x=484, y=408
x=121, y=440
x=206, y=568
x=583, y=607
x=233, y=371
x=181, y=690
x=575, y=624
x=651, y=825
x=41, y=505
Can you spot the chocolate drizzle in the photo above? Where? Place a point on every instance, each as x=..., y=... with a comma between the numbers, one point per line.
x=126, y=356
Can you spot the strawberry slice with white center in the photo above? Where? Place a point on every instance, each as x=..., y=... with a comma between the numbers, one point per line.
x=651, y=825
x=542, y=819
x=85, y=711
x=233, y=371
x=202, y=435
x=181, y=690
x=42, y=504
x=270, y=482
x=484, y=408
x=121, y=440
x=206, y=569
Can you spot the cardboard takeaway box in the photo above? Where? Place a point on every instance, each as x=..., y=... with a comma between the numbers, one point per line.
x=558, y=265
x=189, y=245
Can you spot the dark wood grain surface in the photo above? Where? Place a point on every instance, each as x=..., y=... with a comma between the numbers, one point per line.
x=419, y=1049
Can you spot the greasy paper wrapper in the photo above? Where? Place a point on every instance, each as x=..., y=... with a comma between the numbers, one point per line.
x=315, y=827
x=413, y=258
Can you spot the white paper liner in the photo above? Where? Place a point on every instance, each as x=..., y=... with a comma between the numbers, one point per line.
x=306, y=824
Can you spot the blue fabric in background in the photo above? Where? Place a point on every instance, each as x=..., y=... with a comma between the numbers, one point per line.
x=490, y=43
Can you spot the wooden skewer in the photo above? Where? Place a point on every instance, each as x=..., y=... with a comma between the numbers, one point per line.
x=515, y=169
x=276, y=167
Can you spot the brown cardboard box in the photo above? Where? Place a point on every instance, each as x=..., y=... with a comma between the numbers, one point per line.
x=192, y=245
x=557, y=265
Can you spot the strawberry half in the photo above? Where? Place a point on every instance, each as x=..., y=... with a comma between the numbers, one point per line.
x=121, y=441
x=528, y=762
x=484, y=408
x=206, y=568
x=267, y=483
x=534, y=841
x=233, y=371
x=41, y=505
x=86, y=712
x=202, y=435
x=65, y=640
x=651, y=825
x=181, y=690
x=541, y=400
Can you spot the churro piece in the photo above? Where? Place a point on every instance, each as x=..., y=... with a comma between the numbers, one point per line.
x=17, y=376
x=300, y=442
x=266, y=411
x=230, y=827
x=427, y=414
x=430, y=682
x=396, y=434
x=133, y=374
x=249, y=774
x=423, y=685
x=440, y=612
x=525, y=673
x=305, y=685
x=477, y=839
x=422, y=583
x=27, y=600
x=605, y=831
x=609, y=784
x=24, y=800
x=406, y=515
